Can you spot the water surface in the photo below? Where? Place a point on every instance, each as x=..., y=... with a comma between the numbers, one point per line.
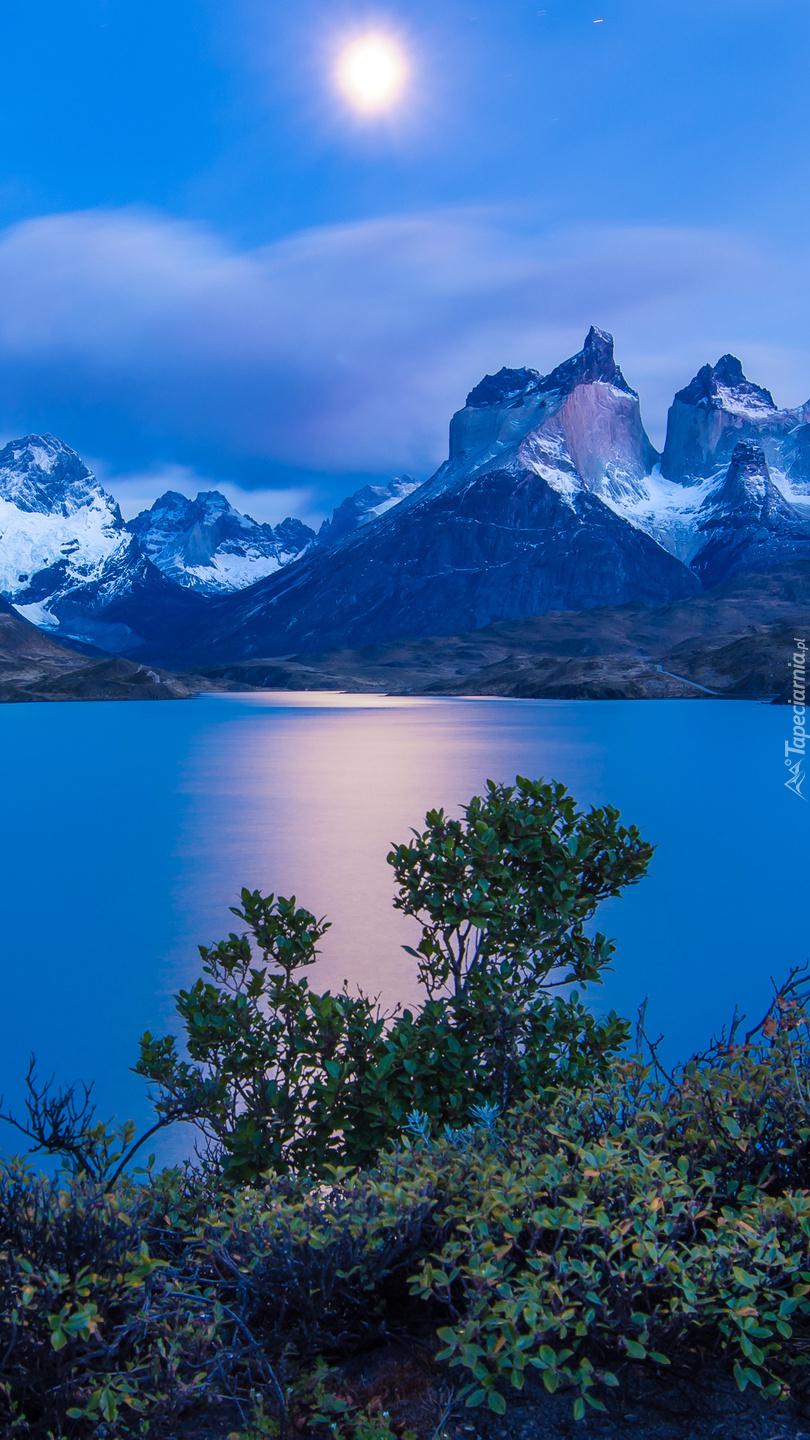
x=128, y=829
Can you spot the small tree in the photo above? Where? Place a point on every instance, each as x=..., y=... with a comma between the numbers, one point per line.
x=297, y=1080
x=504, y=895
x=273, y=1058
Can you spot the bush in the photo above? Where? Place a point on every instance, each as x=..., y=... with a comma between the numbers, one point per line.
x=282, y=1077
x=584, y=1234
x=89, y=1328
x=585, y=1231
x=494, y=1171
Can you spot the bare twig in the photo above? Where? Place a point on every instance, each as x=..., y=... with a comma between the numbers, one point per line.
x=254, y=1345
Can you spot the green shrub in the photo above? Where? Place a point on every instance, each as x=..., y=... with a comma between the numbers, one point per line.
x=586, y=1230
x=281, y=1077
x=494, y=1170
x=572, y=1247
x=88, y=1324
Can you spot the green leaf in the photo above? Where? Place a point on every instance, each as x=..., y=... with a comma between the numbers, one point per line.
x=635, y=1350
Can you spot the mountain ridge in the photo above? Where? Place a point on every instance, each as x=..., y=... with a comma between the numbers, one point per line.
x=550, y=499
x=735, y=640
x=552, y=496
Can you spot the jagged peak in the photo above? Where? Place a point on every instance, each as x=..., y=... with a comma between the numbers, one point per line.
x=726, y=381
x=594, y=363
x=38, y=452
x=174, y=501
x=41, y=474
x=170, y=500
x=495, y=389
x=748, y=455
x=749, y=478
x=214, y=500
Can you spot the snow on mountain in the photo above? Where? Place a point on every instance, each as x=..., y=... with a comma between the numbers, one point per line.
x=552, y=497
x=746, y=523
x=716, y=412
x=70, y=564
x=584, y=409
x=364, y=506
x=718, y=408
x=58, y=526
x=67, y=561
x=207, y=545
x=127, y=606
x=516, y=522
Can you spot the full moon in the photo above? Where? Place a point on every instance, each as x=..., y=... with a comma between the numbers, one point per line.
x=371, y=72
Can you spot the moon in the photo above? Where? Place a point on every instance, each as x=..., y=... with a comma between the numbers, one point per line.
x=371, y=72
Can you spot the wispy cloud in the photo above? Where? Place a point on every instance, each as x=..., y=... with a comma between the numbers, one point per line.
x=137, y=490
x=346, y=348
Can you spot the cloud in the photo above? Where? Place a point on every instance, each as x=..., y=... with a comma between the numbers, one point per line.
x=346, y=348
x=137, y=490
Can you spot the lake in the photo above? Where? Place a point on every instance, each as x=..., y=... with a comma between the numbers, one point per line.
x=128, y=829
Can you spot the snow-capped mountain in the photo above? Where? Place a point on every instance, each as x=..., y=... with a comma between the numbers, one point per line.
x=127, y=607
x=552, y=498
x=516, y=522
x=58, y=527
x=364, y=506
x=720, y=407
x=73, y=566
x=207, y=545
x=582, y=415
x=67, y=561
x=746, y=523
x=686, y=496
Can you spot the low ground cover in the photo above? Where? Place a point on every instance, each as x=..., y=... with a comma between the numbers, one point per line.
x=406, y=1225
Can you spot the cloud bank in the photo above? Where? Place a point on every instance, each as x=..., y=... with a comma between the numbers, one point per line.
x=346, y=348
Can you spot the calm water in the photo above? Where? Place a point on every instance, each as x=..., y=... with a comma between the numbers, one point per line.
x=128, y=829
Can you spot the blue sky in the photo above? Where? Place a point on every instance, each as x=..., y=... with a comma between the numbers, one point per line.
x=213, y=272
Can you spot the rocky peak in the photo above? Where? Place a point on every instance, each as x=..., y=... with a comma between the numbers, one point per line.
x=41, y=475
x=212, y=503
x=593, y=364
x=505, y=408
x=725, y=385
x=206, y=544
x=367, y=504
x=748, y=457
x=500, y=388
x=746, y=523
x=718, y=408
x=748, y=480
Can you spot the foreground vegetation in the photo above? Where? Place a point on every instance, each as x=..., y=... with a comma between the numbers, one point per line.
x=501, y=1182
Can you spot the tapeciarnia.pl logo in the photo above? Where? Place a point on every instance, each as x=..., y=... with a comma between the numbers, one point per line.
x=795, y=751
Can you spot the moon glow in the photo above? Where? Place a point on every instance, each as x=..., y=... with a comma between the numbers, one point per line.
x=371, y=72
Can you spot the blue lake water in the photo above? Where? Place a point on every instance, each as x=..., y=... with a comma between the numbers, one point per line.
x=128, y=829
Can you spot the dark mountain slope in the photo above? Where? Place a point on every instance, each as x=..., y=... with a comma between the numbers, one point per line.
x=495, y=548
x=749, y=524
x=735, y=639
x=520, y=520
x=34, y=667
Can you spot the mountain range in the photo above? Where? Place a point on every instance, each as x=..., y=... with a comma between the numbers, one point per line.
x=552, y=499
